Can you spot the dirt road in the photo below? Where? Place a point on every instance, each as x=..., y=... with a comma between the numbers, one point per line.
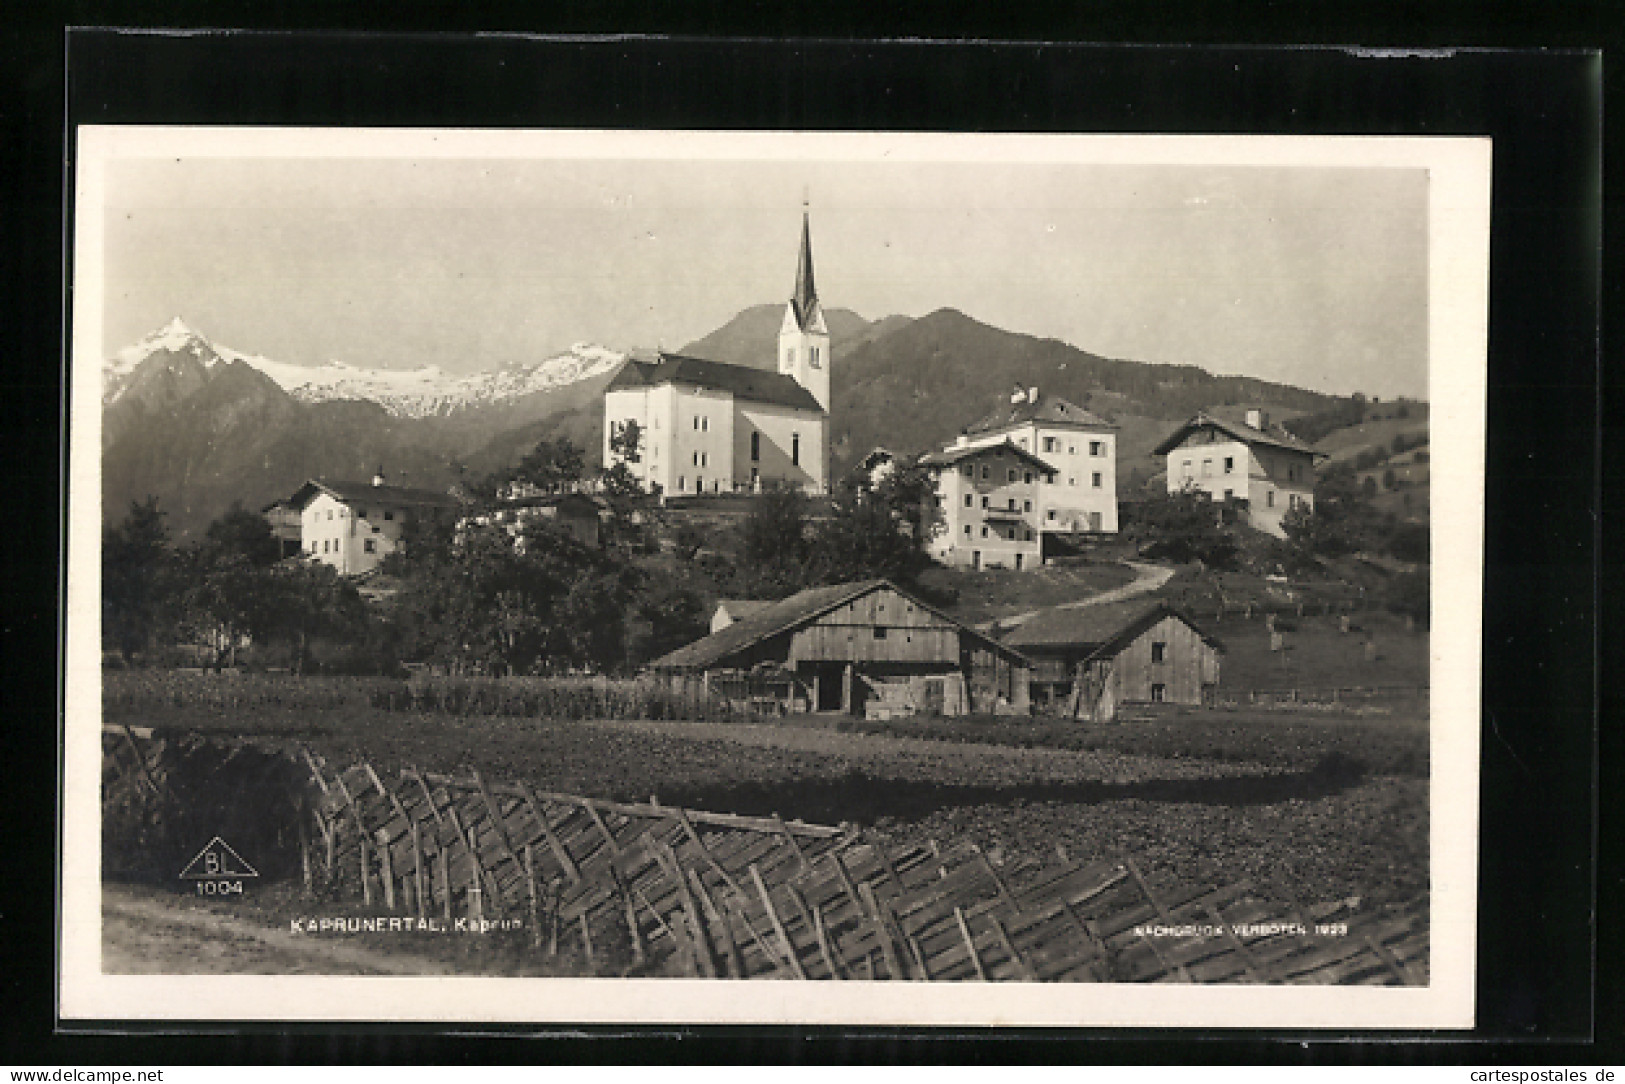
x=1148, y=579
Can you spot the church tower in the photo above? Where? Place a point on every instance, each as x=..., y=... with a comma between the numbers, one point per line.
x=803, y=338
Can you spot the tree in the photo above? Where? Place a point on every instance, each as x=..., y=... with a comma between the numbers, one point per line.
x=773, y=554
x=1342, y=521
x=551, y=465
x=910, y=491
x=490, y=605
x=306, y=601
x=1184, y=526
x=1409, y=595
x=244, y=534
x=228, y=601
x=625, y=496
x=883, y=531
x=139, y=579
x=673, y=615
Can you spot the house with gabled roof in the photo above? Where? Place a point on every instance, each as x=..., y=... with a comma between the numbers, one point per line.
x=1089, y=661
x=865, y=648
x=1262, y=469
x=353, y=526
x=711, y=427
x=1080, y=445
x=989, y=496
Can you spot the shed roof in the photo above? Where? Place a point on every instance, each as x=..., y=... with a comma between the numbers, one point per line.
x=367, y=493
x=741, y=381
x=1274, y=438
x=791, y=613
x=1096, y=631
x=952, y=455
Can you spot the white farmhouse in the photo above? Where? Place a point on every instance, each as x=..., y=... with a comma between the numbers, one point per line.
x=1266, y=471
x=353, y=526
x=1081, y=496
x=710, y=427
x=989, y=496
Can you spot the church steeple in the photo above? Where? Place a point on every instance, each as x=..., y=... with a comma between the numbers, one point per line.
x=805, y=300
x=803, y=336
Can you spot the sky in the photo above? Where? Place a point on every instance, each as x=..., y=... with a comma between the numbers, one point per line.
x=1310, y=275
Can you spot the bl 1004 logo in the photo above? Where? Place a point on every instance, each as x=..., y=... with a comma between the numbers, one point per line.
x=218, y=870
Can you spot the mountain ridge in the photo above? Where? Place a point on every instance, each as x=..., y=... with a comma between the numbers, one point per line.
x=198, y=425
x=427, y=391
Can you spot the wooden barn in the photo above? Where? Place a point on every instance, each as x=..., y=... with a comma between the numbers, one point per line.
x=1089, y=661
x=859, y=648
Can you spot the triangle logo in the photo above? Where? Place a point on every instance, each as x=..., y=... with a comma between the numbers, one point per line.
x=217, y=860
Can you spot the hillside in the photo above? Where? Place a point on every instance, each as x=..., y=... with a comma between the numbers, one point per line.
x=921, y=383
x=1383, y=422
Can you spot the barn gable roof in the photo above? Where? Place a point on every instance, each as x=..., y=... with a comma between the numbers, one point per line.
x=741, y=381
x=741, y=608
x=1274, y=438
x=794, y=612
x=1097, y=631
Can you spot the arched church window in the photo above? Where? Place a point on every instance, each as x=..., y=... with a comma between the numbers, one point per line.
x=755, y=447
x=795, y=449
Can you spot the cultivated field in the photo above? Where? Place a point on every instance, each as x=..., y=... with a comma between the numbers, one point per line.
x=1284, y=799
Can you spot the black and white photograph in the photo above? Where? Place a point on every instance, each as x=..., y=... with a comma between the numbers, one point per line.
x=1001, y=564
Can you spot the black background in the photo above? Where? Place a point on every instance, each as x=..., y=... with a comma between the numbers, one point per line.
x=1543, y=501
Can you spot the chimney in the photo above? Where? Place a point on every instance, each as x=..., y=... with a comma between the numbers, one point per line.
x=1257, y=419
x=378, y=478
x=1032, y=395
x=1018, y=396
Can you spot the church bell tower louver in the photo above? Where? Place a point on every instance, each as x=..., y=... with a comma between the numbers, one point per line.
x=803, y=337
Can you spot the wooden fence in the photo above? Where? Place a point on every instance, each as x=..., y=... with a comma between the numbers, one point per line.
x=659, y=889
x=724, y=896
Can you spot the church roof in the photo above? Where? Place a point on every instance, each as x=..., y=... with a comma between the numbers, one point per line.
x=804, y=302
x=742, y=381
x=1044, y=409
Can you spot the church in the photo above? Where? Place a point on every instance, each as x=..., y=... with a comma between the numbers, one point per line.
x=709, y=427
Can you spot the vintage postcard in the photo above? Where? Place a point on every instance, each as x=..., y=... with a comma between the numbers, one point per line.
x=585, y=568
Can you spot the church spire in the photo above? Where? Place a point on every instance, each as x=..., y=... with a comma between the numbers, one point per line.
x=805, y=299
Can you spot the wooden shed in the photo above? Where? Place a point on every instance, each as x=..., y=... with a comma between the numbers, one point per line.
x=863, y=648
x=1091, y=660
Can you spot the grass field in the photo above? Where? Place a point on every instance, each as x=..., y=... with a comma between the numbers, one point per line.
x=1190, y=808
x=989, y=593
x=1316, y=654
x=1379, y=430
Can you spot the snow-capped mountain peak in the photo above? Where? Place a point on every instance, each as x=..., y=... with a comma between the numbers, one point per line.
x=415, y=393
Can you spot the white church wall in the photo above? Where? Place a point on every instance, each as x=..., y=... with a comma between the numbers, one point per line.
x=702, y=445
x=779, y=427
